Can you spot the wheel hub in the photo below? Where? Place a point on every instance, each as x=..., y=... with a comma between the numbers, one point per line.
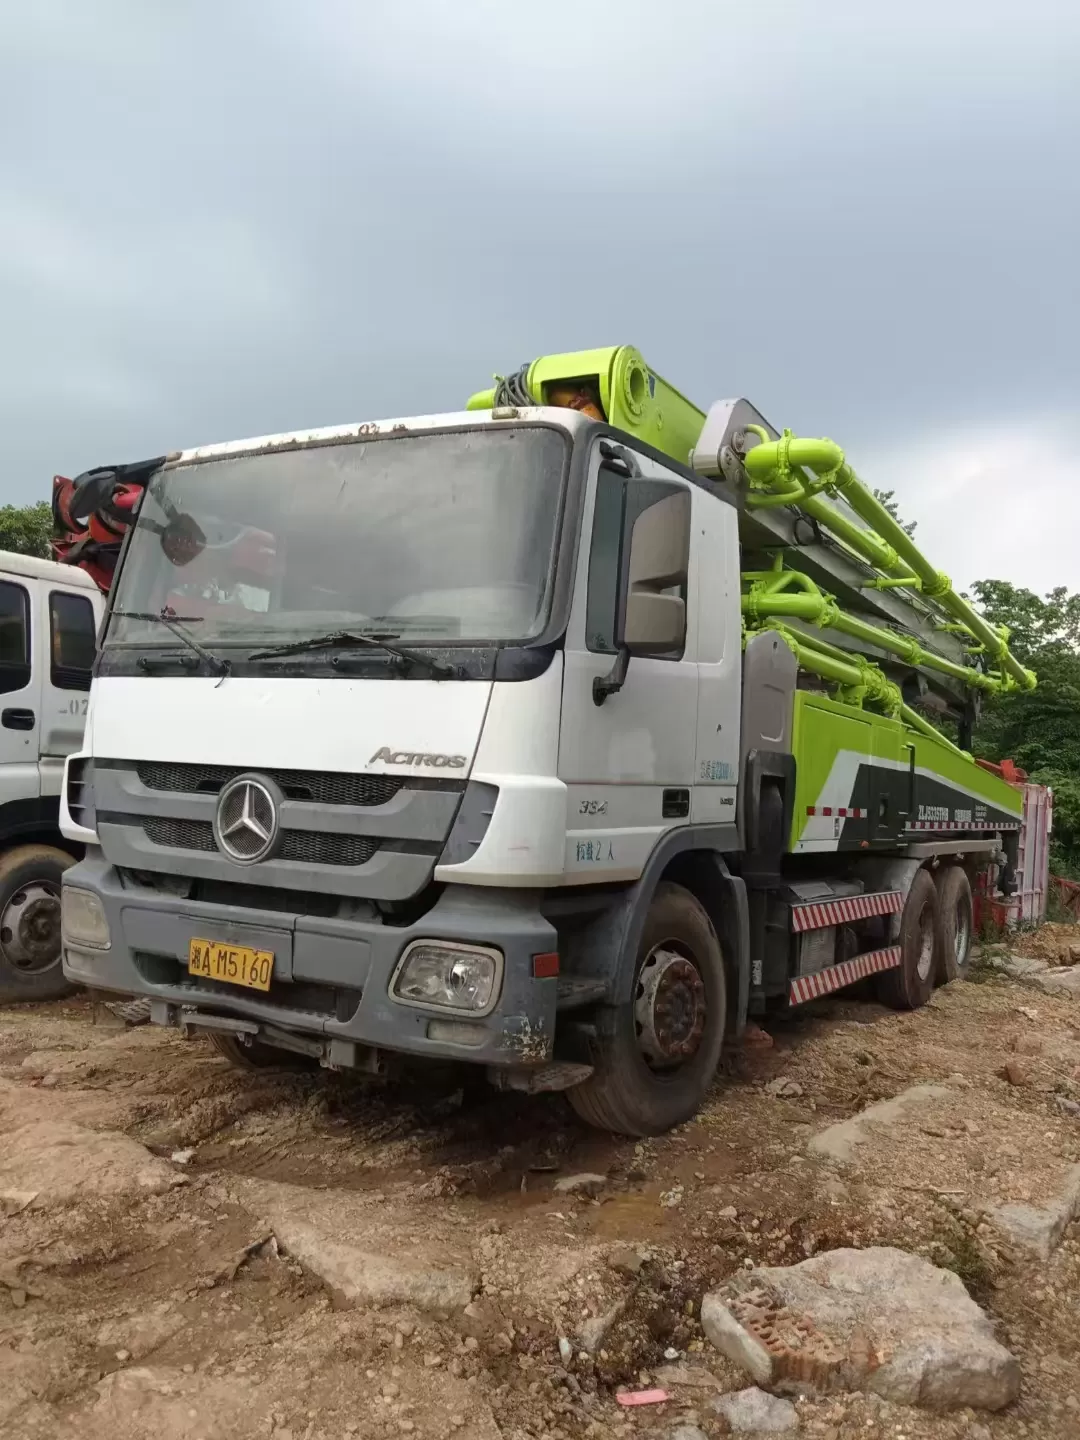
x=30, y=928
x=670, y=1009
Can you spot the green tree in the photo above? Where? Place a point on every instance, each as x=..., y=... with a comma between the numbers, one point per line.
x=1040, y=728
x=885, y=497
x=26, y=529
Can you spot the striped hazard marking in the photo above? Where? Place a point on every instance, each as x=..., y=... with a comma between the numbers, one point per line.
x=835, y=977
x=814, y=915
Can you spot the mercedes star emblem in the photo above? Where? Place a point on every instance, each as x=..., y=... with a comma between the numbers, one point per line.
x=246, y=823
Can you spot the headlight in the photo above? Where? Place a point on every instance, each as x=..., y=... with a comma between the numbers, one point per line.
x=82, y=919
x=465, y=978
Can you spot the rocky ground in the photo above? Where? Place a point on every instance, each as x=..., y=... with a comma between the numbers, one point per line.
x=191, y=1251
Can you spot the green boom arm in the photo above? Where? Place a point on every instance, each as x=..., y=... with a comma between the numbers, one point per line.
x=776, y=464
x=802, y=474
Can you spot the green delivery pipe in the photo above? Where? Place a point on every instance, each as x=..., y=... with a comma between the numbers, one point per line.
x=772, y=463
x=766, y=599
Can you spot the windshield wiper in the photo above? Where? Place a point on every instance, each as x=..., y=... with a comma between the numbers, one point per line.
x=217, y=663
x=348, y=639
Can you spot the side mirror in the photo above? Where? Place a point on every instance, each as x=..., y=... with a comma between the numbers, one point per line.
x=653, y=561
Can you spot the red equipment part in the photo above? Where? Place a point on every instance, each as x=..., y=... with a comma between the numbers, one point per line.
x=91, y=515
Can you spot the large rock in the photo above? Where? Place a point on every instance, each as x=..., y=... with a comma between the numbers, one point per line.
x=1039, y=1228
x=368, y=1253
x=58, y=1163
x=753, y=1412
x=878, y=1320
x=840, y=1142
x=1052, y=979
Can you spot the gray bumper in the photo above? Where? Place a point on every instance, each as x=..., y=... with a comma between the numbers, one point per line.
x=331, y=976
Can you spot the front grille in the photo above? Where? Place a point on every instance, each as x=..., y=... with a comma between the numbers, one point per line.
x=322, y=787
x=181, y=834
x=313, y=847
x=309, y=847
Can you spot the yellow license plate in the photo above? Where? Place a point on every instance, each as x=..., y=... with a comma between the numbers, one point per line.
x=235, y=964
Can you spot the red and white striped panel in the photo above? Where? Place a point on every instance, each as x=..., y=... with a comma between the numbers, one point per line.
x=815, y=915
x=845, y=812
x=835, y=977
x=964, y=825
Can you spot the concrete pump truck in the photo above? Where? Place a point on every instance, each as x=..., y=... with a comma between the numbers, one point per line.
x=557, y=736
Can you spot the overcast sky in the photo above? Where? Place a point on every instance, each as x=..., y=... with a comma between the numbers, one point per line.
x=228, y=217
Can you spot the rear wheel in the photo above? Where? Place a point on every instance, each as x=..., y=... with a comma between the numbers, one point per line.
x=254, y=1054
x=910, y=985
x=957, y=924
x=30, y=959
x=656, y=1054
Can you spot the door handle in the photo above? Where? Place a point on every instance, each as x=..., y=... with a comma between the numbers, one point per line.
x=18, y=719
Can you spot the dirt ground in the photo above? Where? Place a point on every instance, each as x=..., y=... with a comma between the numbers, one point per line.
x=167, y=1291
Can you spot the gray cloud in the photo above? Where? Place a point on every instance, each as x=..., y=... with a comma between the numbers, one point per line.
x=219, y=220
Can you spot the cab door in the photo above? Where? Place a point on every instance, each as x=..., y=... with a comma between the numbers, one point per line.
x=20, y=704
x=629, y=762
x=67, y=628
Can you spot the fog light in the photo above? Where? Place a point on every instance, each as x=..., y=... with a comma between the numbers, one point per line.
x=82, y=919
x=465, y=978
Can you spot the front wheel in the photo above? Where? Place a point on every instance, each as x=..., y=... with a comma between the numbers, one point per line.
x=910, y=985
x=30, y=879
x=656, y=1053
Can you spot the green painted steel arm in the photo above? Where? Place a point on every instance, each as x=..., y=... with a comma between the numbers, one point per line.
x=772, y=462
x=770, y=597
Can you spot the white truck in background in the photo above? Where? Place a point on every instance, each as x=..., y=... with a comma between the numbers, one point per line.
x=49, y=615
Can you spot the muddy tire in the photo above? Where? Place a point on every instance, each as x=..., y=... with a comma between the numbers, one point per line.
x=656, y=1054
x=256, y=1055
x=30, y=959
x=957, y=924
x=911, y=984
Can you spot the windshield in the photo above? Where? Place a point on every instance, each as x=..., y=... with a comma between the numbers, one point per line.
x=448, y=538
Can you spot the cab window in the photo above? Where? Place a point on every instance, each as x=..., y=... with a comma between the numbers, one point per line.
x=14, y=637
x=72, y=640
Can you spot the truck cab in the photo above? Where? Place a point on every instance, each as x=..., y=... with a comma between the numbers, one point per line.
x=49, y=616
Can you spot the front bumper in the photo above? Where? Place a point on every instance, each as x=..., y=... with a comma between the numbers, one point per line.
x=331, y=976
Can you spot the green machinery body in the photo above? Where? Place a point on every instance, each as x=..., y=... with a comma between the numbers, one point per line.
x=880, y=653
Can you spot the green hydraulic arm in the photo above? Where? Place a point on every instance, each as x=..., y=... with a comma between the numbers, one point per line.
x=807, y=475
x=780, y=466
x=778, y=593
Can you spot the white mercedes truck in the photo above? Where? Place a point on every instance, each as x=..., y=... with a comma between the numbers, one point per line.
x=514, y=737
x=48, y=625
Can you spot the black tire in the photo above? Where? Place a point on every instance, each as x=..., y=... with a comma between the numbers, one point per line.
x=957, y=924
x=630, y=1093
x=910, y=985
x=256, y=1055
x=30, y=950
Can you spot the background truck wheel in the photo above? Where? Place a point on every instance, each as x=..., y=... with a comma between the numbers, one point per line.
x=256, y=1056
x=656, y=1055
x=30, y=966
x=911, y=984
x=957, y=924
